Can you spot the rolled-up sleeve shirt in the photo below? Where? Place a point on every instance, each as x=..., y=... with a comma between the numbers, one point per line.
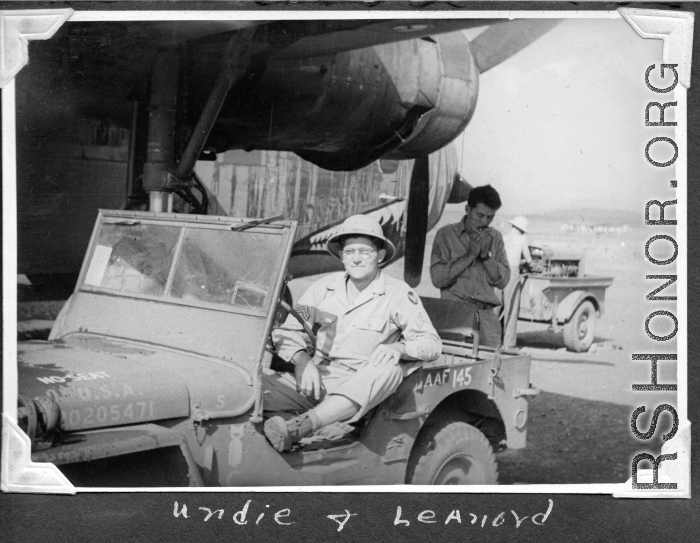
x=474, y=283
x=386, y=311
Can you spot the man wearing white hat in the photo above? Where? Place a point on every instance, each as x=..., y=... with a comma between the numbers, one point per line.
x=372, y=332
x=516, y=249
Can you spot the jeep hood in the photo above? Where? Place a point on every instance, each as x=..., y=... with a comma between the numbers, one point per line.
x=99, y=382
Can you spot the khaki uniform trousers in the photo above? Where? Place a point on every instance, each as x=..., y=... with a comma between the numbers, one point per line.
x=368, y=387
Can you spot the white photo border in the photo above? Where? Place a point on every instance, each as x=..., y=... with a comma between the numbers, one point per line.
x=20, y=475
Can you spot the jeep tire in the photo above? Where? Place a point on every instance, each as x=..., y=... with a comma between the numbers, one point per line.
x=580, y=330
x=452, y=453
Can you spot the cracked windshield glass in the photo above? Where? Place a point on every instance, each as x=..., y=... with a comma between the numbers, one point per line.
x=134, y=259
x=223, y=267
x=214, y=266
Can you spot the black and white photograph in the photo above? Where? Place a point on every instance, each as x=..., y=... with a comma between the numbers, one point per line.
x=320, y=250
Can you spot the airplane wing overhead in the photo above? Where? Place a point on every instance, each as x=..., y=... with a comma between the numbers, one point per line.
x=132, y=107
x=319, y=38
x=500, y=42
x=180, y=31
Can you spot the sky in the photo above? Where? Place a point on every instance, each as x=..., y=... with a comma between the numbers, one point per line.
x=561, y=123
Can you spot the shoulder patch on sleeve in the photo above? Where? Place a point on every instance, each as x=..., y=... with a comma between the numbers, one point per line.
x=303, y=311
x=412, y=297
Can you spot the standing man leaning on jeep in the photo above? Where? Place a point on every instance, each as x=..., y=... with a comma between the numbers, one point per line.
x=372, y=331
x=469, y=260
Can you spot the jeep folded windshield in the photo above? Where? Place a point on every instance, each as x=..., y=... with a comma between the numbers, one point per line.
x=207, y=265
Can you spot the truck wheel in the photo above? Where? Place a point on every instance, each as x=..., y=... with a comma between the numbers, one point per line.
x=580, y=330
x=452, y=453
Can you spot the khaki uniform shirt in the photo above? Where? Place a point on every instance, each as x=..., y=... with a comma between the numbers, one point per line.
x=451, y=242
x=385, y=312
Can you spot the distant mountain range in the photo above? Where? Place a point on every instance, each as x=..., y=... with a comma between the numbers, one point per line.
x=586, y=215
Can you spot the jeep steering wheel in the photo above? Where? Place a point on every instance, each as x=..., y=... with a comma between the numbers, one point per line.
x=303, y=323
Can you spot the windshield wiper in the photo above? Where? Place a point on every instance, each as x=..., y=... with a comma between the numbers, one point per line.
x=252, y=224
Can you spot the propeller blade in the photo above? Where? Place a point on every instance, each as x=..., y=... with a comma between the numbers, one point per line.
x=500, y=42
x=417, y=220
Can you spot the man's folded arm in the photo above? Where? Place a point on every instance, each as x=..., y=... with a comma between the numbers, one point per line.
x=498, y=268
x=443, y=270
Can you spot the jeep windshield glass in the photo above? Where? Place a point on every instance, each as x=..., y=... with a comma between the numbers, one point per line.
x=214, y=266
x=230, y=268
x=133, y=258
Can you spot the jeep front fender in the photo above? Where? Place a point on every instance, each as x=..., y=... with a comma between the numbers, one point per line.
x=112, y=442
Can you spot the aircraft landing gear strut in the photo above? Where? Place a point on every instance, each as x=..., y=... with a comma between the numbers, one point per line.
x=163, y=176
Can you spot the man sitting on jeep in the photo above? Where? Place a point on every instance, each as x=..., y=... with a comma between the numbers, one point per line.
x=372, y=332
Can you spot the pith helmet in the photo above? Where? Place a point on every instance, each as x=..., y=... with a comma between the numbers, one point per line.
x=520, y=223
x=359, y=225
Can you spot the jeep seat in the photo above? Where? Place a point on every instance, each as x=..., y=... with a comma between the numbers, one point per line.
x=453, y=320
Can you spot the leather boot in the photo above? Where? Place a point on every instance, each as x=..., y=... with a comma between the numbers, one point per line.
x=282, y=434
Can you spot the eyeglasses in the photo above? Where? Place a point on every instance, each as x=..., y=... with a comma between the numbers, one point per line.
x=364, y=253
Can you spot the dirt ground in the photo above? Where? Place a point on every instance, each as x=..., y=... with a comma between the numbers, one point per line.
x=579, y=427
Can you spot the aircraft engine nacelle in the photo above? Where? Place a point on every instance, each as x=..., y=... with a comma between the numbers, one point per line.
x=454, y=93
x=400, y=100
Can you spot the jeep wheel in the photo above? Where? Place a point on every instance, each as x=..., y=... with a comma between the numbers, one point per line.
x=580, y=330
x=452, y=453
